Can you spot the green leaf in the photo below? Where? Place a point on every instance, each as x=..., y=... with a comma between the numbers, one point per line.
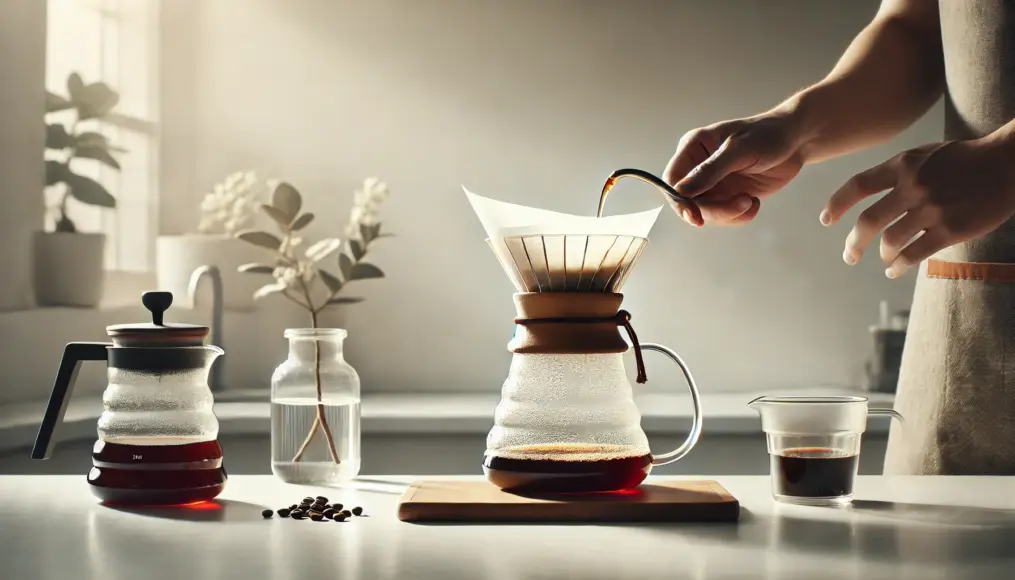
x=65, y=225
x=301, y=222
x=75, y=86
x=263, y=239
x=345, y=300
x=255, y=269
x=95, y=100
x=97, y=139
x=287, y=200
x=57, y=137
x=375, y=231
x=277, y=215
x=366, y=232
x=331, y=281
x=345, y=265
x=88, y=191
x=55, y=102
x=364, y=271
x=357, y=250
x=56, y=172
x=92, y=138
x=98, y=153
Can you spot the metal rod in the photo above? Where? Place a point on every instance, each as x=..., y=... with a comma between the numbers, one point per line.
x=213, y=273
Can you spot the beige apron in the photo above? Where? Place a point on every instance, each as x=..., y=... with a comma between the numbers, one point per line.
x=957, y=383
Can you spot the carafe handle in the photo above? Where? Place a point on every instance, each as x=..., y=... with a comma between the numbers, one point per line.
x=890, y=412
x=73, y=354
x=695, y=433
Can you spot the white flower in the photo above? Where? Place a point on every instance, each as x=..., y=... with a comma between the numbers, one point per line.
x=366, y=204
x=231, y=205
x=286, y=276
x=269, y=289
x=322, y=249
x=357, y=214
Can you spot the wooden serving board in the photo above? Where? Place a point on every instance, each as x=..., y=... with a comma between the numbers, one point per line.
x=480, y=501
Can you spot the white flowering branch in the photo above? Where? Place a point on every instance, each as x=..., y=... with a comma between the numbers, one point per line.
x=295, y=274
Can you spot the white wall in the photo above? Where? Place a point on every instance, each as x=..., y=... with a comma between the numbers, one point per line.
x=22, y=139
x=533, y=102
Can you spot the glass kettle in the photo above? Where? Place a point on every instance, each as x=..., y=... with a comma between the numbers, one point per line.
x=157, y=435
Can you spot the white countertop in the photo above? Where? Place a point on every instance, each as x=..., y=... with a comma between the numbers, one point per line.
x=247, y=413
x=899, y=528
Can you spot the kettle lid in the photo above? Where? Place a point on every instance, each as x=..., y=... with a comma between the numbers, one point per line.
x=157, y=333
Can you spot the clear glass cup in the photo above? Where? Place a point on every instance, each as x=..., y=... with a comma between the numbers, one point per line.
x=315, y=410
x=814, y=446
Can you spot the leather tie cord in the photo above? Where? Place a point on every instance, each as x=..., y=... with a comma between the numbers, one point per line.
x=623, y=318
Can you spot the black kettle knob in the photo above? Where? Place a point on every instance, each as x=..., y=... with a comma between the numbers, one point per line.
x=157, y=303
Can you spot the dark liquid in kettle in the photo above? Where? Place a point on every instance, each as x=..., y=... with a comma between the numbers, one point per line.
x=566, y=468
x=814, y=472
x=170, y=474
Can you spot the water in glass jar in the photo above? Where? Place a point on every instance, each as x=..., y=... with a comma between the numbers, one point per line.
x=301, y=458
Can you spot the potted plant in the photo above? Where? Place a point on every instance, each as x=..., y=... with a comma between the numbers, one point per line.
x=68, y=264
x=230, y=207
x=315, y=394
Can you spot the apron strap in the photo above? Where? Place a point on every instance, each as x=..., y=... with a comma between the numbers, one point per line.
x=982, y=271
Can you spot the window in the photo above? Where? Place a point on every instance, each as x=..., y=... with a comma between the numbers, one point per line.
x=115, y=41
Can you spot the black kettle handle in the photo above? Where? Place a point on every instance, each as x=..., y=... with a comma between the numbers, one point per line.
x=73, y=354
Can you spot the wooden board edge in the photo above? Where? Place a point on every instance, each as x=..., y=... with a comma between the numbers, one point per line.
x=725, y=512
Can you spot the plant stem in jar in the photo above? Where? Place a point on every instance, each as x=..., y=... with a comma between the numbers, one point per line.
x=320, y=421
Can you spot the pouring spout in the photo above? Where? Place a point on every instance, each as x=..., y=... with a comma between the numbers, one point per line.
x=641, y=175
x=758, y=403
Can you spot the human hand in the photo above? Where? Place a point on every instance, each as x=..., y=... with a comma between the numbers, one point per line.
x=944, y=193
x=729, y=167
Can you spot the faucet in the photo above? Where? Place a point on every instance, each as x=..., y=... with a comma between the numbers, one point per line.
x=213, y=273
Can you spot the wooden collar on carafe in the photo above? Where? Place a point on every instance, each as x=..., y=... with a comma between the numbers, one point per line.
x=573, y=323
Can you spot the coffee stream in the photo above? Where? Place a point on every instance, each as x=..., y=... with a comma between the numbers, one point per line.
x=643, y=176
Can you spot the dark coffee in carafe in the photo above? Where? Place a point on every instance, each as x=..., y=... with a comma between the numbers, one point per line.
x=157, y=474
x=566, y=468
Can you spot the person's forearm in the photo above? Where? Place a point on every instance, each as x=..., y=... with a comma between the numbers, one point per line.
x=888, y=77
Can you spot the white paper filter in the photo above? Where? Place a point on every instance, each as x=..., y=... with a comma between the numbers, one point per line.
x=501, y=219
x=548, y=251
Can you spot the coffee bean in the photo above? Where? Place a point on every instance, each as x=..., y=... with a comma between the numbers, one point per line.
x=321, y=499
x=317, y=517
x=337, y=506
x=329, y=513
x=357, y=511
x=318, y=507
x=267, y=514
x=293, y=507
x=308, y=500
x=339, y=517
x=346, y=513
x=284, y=512
x=298, y=515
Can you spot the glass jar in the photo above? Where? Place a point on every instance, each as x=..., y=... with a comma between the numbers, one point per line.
x=315, y=410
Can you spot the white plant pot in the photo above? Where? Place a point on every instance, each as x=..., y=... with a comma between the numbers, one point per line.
x=69, y=269
x=176, y=258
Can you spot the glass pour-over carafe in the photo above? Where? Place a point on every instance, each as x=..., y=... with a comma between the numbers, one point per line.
x=157, y=432
x=567, y=421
